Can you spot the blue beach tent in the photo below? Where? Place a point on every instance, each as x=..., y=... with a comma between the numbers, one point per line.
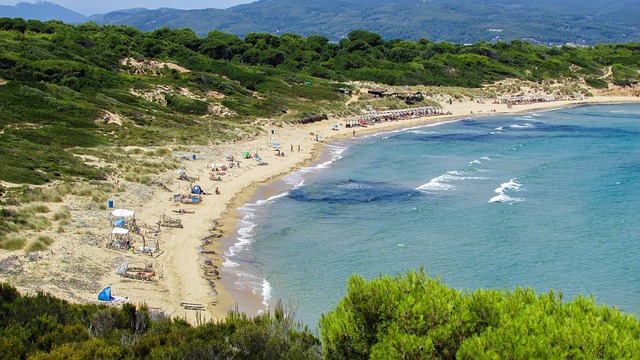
x=196, y=189
x=105, y=294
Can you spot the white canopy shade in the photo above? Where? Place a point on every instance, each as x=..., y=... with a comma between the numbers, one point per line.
x=122, y=213
x=119, y=231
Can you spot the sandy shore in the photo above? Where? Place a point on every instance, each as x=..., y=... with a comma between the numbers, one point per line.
x=78, y=265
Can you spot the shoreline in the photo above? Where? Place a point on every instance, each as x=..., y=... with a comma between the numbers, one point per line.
x=77, y=265
x=232, y=217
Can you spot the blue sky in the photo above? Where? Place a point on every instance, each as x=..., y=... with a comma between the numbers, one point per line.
x=90, y=7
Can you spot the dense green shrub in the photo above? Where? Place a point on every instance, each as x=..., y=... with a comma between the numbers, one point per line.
x=597, y=83
x=414, y=316
x=43, y=327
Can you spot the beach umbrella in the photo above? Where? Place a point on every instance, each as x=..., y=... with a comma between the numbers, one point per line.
x=245, y=154
x=181, y=171
x=275, y=144
x=335, y=126
x=123, y=213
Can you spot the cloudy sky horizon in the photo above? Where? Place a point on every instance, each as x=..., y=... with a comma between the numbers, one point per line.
x=91, y=7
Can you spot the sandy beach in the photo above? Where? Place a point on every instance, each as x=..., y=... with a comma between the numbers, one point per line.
x=78, y=265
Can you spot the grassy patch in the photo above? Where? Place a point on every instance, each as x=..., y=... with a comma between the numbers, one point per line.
x=60, y=215
x=12, y=242
x=40, y=243
x=37, y=209
x=15, y=221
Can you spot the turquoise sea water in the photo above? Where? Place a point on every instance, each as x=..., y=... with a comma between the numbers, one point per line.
x=548, y=200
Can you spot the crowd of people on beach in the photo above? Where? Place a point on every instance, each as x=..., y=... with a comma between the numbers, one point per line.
x=394, y=115
x=533, y=99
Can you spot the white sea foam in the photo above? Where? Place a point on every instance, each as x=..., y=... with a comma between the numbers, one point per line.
x=419, y=130
x=437, y=185
x=480, y=161
x=503, y=192
x=423, y=132
x=249, y=281
x=273, y=198
x=443, y=182
x=266, y=292
x=354, y=185
x=513, y=184
x=296, y=179
x=523, y=126
x=229, y=264
x=245, y=234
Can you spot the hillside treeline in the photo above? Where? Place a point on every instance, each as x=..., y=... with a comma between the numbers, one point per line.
x=57, y=81
x=407, y=317
x=362, y=55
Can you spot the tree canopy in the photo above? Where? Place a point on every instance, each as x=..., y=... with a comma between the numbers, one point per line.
x=417, y=317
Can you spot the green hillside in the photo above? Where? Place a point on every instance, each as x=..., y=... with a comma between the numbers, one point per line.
x=65, y=87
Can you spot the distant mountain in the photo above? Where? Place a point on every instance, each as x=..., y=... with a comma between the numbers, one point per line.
x=459, y=21
x=42, y=11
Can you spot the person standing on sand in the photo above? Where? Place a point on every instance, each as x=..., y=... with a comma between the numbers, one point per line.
x=354, y=133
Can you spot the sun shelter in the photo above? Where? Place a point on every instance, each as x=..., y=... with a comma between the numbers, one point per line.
x=105, y=295
x=123, y=218
x=119, y=231
x=123, y=213
x=196, y=189
x=122, y=269
x=120, y=239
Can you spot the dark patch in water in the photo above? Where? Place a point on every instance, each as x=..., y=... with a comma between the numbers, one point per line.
x=351, y=192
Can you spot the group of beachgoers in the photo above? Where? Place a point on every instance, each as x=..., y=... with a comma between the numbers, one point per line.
x=394, y=115
x=524, y=100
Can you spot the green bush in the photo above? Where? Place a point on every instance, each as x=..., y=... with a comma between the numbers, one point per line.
x=597, y=83
x=42, y=327
x=39, y=244
x=186, y=105
x=11, y=242
x=414, y=316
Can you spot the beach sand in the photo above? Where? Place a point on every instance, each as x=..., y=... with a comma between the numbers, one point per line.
x=78, y=265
